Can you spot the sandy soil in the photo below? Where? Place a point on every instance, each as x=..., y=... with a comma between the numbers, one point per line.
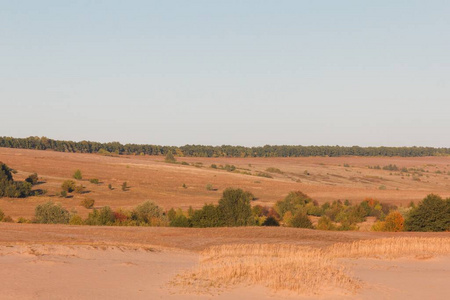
x=152, y=179
x=83, y=262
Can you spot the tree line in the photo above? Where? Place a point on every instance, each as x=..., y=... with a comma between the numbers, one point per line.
x=116, y=148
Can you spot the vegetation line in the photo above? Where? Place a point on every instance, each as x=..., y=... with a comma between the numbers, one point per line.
x=116, y=148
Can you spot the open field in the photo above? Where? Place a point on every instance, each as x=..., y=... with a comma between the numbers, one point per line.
x=80, y=262
x=150, y=178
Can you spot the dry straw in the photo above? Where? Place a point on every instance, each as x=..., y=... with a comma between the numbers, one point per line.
x=297, y=268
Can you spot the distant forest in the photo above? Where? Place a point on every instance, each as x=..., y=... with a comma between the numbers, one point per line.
x=116, y=148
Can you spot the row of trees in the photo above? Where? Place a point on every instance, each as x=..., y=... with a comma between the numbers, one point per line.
x=234, y=209
x=14, y=189
x=116, y=148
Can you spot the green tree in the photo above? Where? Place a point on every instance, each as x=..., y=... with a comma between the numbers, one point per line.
x=235, y=209
x=68, y=186
x=32, y=179
x=293, y=202
x=431, y=214
x=208, y=216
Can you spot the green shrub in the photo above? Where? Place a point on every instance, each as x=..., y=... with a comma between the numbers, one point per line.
x=184, y=163
x=32, y=179
x=22, y=220
x=77, y=175
x=68, y=186
x=171, y=214
x=104, y=216
x=63, y=194
x=169, y=157
x=234, y=208
x=124, y=186
x=293, y=202
x=209, y=187
x=180, y=221
x=325, y=223
x=8, y=219
x=87, y=203
x=94, y=181
x=76, y=220
x=270, y=221
x=214, y=166
x=79, y=189
x=208, y=216
x=2, y=215
x=51, y=213
x=431, y=214
x=110, y=186
x=148, y=213
x=301, y=220
x=11, y=188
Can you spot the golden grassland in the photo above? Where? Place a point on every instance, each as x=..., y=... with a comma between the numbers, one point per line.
x=300, y=269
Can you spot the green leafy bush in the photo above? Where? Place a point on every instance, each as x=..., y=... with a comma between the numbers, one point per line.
x=68, y=186
x=32, y=179
x=208, y=216
x=87, y=203
x=148, y=213
x=76, y=220
x=431, y=214
x=77, y=175
x=180, y=221
x=51, y=213
x=2, y=215
x=104, y=216
x=301, y=220
x=94, y=181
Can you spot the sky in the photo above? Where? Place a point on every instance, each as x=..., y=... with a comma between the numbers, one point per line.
x=237, y=72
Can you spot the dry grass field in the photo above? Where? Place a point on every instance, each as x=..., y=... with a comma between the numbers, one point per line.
x=99, y=262
x=84, y=262
x=150, y=178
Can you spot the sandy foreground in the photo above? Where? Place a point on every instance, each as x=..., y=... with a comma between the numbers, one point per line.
x=67, y=262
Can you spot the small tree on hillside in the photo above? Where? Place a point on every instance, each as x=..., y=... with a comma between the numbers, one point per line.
x=169, y=157
x=235, y=208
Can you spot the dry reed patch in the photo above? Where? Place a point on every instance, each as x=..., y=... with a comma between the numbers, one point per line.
x=392, y=248
x=279, y=267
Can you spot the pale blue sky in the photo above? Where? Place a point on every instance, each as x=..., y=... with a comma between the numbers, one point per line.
x=227, y=72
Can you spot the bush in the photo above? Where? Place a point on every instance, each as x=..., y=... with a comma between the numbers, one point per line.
x=271, y=221
x=11, y=188
x=293, y=202
x=214, y=166
x=394, y=222
x=124, y=186
x=234, y=208
x=208, y=216
x=431, y=214
x=68, y=186
x=169, y=157
x=2, y=215
x=325, y=223
x=209, y=187
x=180, y=221
x=77, y=175
x=301, y=220
x=94, y=181
x=87, y=203
x=79, y=189
x=76, y=220
x=32, y=179
x=110, y=186
x=104, y=216
x=8, y=219
x=148, y=213
x=63, y=194
x=51, y=213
